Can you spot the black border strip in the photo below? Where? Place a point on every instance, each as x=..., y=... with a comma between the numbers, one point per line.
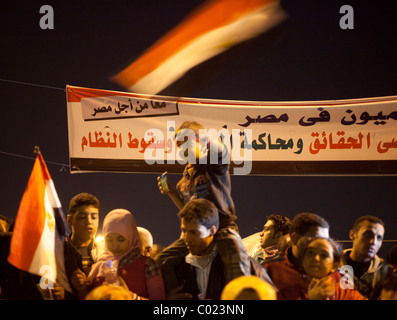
x=369, y=167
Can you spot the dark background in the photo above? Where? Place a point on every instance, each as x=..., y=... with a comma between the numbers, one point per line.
x=307, y=57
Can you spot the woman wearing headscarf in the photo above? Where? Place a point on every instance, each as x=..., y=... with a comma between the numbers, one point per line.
x=140, y=274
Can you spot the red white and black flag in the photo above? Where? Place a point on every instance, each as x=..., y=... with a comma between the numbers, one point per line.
x=39, y=224
x=211, y=29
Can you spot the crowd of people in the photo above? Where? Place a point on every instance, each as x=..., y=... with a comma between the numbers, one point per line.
x=295, y=259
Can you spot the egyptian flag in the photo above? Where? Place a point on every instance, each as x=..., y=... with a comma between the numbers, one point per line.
x=211, y=29
x=39, y=225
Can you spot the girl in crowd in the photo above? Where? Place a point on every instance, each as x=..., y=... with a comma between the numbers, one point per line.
x=139, y=273
x=320, y=258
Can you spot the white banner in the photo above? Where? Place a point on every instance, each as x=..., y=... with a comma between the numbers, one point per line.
x=119, y=131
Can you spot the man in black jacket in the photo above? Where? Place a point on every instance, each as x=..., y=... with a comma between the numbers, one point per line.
x=202, y=273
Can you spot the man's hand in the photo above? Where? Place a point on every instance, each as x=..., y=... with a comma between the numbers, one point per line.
x=58, y=292
x=170, y=187
x=172, y=193
x=321, y=289
x=79, y=280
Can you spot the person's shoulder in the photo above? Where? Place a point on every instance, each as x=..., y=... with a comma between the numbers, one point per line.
x=274, y=264
x=152, y=267
x=279, y=267
x=149, y=260
x=380, y=265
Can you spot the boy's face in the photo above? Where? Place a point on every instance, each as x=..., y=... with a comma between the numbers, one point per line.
x=189, y=146
x=84, y=223
x=188, y=149
x=367, y=240
x=197, y=237
x=267, y=235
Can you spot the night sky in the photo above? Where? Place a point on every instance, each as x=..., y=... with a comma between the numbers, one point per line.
x=307, y=57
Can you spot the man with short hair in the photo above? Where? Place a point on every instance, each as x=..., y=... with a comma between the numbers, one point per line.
x=286, y=273
x=202, y=273
x=273, y=239
x=369, y=269
x=79, y=246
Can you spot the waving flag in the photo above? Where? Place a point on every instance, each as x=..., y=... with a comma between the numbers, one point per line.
x=210, y=30
x=39, y=224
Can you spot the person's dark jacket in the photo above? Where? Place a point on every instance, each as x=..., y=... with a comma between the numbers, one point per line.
x=73, y=261
x=15, y=284
x=186, y=274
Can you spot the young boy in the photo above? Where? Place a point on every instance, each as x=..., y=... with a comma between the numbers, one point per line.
x=205, y=176
x=79, y=247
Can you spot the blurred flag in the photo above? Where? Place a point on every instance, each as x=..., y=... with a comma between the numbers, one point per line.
x=208, y=31
x=39, y=224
